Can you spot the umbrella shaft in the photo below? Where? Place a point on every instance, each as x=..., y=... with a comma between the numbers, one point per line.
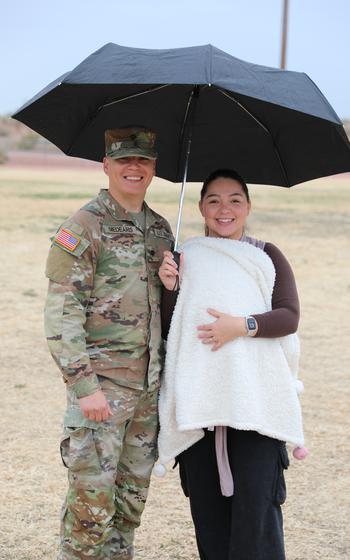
x=182, y=196
x=187, y=126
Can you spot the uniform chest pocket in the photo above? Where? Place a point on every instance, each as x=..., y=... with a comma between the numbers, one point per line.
x=121, y=256
x=162, y=241
x=153, y=264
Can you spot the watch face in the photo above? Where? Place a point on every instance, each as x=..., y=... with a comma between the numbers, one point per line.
x=251, y=324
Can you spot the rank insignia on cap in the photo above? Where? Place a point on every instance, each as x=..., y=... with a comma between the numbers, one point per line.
x=67, y=239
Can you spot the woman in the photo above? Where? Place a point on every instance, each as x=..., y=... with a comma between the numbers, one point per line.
x=233, y=475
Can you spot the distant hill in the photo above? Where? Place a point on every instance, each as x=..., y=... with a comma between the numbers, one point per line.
x=16, y=136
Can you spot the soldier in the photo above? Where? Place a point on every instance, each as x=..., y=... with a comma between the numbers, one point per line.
x=102, y=323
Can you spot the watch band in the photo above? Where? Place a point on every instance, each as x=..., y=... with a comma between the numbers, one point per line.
x=251, y=326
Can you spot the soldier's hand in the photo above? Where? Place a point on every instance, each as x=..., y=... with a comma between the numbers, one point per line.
x=168, y=270
x=95, y=407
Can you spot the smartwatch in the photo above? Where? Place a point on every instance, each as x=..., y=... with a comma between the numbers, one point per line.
x=251, y=325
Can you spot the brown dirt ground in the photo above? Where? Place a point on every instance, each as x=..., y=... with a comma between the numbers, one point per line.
x=311, y=224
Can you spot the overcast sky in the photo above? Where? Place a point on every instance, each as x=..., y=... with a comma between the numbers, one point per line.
x=42, y=39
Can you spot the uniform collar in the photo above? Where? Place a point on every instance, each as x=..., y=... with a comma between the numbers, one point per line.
x=119, y=213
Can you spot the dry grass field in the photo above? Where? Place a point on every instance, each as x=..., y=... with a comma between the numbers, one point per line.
x=311, y=224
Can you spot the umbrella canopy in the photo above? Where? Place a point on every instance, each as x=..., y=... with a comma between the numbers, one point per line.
x=272, y=126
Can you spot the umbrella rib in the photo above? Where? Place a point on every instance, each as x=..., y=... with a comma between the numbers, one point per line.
x=157, y=88
x=244, y=109
x=284, y=173
x=117, y=101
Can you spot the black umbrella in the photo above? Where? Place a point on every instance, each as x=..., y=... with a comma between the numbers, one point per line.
x=273, y=126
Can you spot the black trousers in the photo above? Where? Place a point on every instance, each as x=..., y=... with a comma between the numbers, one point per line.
x=248, y=525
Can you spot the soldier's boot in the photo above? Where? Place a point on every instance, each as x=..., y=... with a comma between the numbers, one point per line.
x=127, y=554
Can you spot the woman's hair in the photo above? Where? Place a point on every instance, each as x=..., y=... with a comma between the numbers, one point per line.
x=225, y=174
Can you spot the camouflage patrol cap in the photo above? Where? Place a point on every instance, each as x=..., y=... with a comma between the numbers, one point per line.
x=131, y=141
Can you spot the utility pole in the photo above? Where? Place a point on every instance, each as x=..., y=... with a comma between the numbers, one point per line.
x=284, y=34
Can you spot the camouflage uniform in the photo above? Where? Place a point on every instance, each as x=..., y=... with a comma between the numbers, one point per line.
x=102, y=323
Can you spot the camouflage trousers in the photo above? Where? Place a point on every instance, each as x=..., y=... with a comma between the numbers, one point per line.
x=109, y=469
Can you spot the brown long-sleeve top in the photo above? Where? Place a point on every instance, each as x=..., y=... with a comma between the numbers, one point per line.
x=282, y=320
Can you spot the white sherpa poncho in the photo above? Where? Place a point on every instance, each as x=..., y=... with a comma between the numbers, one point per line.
x=249, y=383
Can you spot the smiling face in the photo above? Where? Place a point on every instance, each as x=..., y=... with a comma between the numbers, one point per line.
x=225, y=208
x=129, y=178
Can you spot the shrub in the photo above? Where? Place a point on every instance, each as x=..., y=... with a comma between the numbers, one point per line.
x=3, y=157
x=28, y=142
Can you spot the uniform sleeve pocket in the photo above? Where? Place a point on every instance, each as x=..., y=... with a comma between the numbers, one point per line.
x=60, y=260
x=280, y=490
x=78, y=450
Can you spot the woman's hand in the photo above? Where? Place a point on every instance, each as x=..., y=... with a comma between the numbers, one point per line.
x=224, y=329
x=168, y=271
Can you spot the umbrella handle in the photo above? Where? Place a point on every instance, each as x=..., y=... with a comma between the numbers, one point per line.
x=176, y=256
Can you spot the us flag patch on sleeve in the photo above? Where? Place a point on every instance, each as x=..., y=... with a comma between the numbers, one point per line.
x=67, y=239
